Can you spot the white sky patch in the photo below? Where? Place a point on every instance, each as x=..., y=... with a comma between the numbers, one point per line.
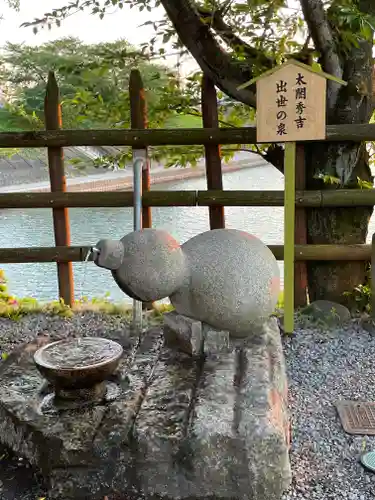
x=125, y=24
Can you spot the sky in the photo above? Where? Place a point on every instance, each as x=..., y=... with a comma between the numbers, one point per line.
x=125, y=23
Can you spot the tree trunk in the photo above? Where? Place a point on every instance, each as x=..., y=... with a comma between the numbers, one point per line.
x=346, y=105
x=346, y=162
x=329, y=280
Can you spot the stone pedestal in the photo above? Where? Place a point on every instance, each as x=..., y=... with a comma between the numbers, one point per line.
x=180, y=426
x=192, y=336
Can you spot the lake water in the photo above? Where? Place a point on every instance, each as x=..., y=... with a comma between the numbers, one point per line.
x=34, y=227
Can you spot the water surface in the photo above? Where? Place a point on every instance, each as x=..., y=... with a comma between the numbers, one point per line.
x=33, y=227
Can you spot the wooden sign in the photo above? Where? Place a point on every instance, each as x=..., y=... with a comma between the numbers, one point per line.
x=291, y=106
x=291, y=103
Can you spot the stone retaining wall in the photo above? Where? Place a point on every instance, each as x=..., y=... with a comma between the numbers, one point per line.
x=126, y=183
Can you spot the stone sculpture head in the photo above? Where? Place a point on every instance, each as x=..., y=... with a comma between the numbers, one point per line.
x=147, y=265
x=226, y=278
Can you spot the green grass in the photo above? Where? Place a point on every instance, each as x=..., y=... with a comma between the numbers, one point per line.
x=280, y=301
x=184, y=121
x=15, y=308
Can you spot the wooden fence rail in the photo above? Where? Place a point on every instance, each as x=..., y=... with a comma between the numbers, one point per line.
x=79, y=253
x=54, y=138
x=308, y=199
x=164, y=137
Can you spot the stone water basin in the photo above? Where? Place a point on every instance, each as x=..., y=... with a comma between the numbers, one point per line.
x=80, y=363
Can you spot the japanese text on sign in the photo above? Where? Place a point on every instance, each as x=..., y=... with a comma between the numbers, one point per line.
x=291, y=105
x=300, y=95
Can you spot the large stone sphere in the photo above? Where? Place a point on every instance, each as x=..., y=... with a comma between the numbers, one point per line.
x=234, y=281
x=153, y=266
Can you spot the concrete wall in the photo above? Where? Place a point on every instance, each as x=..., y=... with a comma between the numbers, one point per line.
x=126, y=183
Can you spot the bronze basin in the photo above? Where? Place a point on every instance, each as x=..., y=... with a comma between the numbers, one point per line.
x=78, y=363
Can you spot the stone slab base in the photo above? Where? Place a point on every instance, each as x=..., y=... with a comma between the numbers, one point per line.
x=181, y=426
x=192, y=336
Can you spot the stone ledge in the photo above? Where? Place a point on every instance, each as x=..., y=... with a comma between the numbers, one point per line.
x=192, y=336
x=182, y=333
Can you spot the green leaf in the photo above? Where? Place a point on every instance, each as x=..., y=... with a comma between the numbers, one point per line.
x=367, y=31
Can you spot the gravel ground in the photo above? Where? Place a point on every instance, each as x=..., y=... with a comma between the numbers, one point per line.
x=323, y=367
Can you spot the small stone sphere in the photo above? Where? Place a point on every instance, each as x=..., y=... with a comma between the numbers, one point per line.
x=234, y=281
x=153, y=266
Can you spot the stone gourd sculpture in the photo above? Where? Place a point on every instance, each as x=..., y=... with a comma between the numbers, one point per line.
x=201, y=414
x=225, y=278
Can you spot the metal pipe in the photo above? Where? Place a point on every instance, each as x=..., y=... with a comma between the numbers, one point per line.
x=137, y=189
x=139, y=158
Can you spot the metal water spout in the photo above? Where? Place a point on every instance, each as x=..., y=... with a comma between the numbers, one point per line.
x=108, y=254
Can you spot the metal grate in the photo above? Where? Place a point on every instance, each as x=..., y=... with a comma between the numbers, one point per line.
x=368, y=460
x=357, y=417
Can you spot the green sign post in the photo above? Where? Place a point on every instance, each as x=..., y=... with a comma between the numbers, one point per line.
x=291, y=107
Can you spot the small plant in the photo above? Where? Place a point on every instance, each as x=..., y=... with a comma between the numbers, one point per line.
x=364, y=184
x=14, y=308
x=359, y=299
x=280, y=301
x=103, y=305
x=328, y=179
x=334, y=313
x=364, y=445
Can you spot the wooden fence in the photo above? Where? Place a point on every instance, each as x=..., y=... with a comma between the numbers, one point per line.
x=139, y=137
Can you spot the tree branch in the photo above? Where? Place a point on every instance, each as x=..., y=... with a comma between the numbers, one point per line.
x=227, y=34
x=275, y=156
x=226, y=72
x=321, y=34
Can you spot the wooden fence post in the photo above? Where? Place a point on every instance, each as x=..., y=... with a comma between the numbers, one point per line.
x=300, y=238
x=52, y=114
x=138, y=118
x=212, y=152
